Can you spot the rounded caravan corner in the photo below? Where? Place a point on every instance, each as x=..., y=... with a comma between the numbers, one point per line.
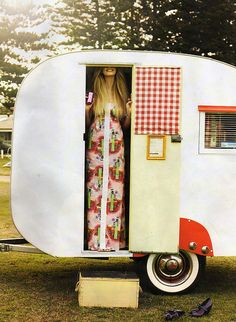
x=42, y=169
x=194, y=237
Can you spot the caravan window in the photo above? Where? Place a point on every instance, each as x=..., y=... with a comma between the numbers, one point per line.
x=218, y=132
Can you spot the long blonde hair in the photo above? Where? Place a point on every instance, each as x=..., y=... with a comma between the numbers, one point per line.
x=119, y=89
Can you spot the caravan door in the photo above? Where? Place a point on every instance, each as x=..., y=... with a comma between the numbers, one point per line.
x=155, y=160
x=47, y=188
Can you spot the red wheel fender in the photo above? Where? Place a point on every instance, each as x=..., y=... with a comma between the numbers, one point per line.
x=193, y=237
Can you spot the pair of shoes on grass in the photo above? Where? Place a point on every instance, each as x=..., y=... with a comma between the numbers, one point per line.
x=202, y=309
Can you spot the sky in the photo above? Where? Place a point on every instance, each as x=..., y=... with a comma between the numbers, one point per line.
x=26, y=2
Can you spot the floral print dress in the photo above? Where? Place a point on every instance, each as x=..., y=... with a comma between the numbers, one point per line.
x=105, y=183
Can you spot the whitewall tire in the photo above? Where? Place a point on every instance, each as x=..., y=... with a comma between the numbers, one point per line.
x=172, y=273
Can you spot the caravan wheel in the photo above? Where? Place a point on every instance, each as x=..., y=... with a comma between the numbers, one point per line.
x=172, y=273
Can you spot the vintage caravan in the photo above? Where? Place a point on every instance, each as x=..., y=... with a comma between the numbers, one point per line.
x=180, y=161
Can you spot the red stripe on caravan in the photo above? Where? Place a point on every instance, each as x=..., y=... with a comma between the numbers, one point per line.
x=211, y=108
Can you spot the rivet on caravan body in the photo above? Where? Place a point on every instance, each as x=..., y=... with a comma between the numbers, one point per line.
x=192, y=245
x=205, y=249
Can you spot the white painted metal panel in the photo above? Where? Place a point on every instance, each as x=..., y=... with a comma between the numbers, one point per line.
x=47, y=188
x=208, y=181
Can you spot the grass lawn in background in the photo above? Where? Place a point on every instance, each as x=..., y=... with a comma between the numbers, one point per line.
x=7, y=228
x=41, y=287
x=4, y=171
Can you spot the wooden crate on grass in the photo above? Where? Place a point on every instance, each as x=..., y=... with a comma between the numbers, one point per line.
x=108, y=289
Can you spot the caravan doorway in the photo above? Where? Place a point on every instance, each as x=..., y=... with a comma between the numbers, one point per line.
x=107, y=158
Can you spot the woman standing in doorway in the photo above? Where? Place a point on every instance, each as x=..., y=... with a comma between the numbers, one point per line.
x=105, y=118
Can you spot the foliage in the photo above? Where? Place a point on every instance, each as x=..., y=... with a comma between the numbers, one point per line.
x=15, y=43
x=203, y=28
x=87, y=24
x=4, y=145
x=198, y=27
x=4, y=171
x=194, y=27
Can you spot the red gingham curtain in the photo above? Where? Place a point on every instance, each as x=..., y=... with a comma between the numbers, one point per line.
x=157, y=100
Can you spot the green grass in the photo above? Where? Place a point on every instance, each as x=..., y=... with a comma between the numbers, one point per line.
x=7, y=229
x=41, y=288
x=4, y=171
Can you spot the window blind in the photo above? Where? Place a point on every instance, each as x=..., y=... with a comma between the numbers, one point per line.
x=220, y=130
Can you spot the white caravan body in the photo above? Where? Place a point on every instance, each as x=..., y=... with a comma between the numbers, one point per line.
x=186, y=201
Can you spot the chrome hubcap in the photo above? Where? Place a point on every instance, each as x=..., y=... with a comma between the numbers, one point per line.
x=172, y=270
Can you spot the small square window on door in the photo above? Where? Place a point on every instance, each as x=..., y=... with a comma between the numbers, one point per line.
x=156, y=147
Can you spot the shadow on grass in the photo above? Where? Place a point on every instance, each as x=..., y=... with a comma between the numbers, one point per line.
x=56, y=275
x=220, y=276
x=43, y=288
x=53, y=275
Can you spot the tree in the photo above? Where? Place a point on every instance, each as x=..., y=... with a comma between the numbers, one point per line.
x=130, y=21
x=200, y=27
x=101, y=24
x=15, y=42
x=203, y=27
x=87, y=24
x=195, y=27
